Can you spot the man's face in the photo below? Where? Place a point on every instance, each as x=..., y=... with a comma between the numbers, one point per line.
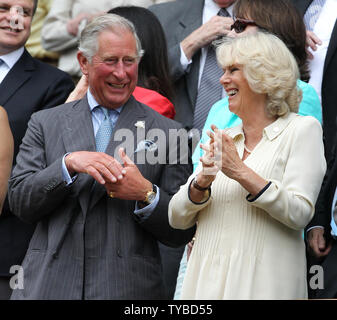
x=224, y=3
x=113, y=72
x=15, y=22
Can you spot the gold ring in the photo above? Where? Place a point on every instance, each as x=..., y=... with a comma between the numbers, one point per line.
x=111, y=194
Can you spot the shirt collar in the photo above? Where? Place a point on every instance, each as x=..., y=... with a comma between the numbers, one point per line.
x=271, y=132
x=93, y=103
x=12, y=58
x=278, y=126
x=211, y=9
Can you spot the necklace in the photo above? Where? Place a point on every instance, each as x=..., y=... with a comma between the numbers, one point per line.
x=249, y=151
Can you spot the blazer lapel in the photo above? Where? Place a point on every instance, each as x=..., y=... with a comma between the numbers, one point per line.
x=78, y=135
x=17, y=76
x=124, y=133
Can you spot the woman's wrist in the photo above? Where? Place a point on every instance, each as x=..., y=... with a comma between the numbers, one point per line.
x=251, y=181
x=204, y=182
x=198, y=195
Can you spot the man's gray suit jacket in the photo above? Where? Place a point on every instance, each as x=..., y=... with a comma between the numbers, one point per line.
x=87, y=245
x=179, y=19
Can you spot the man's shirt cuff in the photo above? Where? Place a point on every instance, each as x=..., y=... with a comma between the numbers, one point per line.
x=145, y=212
x=314, y=228
x=185, y=63
x=68, y=180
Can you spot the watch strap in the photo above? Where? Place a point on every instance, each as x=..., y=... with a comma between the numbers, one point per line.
x=198, y=187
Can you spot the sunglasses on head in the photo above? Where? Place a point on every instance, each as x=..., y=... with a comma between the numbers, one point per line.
x=240, y=25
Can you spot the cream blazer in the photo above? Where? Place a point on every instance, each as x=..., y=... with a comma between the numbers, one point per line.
x=255, y=250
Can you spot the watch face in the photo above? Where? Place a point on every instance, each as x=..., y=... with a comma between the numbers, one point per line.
x=151, y=197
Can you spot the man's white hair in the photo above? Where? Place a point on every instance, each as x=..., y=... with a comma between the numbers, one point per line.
x=89, y=36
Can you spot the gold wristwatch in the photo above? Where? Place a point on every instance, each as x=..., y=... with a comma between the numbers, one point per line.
x=150, y=196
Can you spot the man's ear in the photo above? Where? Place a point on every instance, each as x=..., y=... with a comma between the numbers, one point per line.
x=83, y=61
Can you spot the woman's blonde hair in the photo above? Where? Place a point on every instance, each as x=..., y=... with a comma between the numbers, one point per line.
x=269, y=67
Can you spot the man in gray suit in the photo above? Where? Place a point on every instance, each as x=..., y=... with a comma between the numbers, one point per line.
x=190, y=26
x=99, y=214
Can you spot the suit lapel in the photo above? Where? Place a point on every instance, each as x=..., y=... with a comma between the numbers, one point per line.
x=20, y=73
x=130, y=115
x=191, y=21
x=125, y=127
x=78, y=132
x=78, y=135
x=332, y=47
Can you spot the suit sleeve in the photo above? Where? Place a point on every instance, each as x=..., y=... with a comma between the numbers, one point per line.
x=322, y=215
x=173, y=176
x=176, y=69
x=172, y=37
x=35, y=187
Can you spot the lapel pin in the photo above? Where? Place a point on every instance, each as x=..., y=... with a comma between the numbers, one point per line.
x=140, y=124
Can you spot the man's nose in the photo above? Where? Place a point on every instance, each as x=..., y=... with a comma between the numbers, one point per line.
x=15, y=17
x=119, y=70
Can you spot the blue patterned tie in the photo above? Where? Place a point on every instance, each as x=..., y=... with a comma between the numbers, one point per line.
x=104, y=132
x=210, y=90
x=312, y=14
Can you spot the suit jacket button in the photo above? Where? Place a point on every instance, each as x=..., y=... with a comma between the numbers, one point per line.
x=119, y=253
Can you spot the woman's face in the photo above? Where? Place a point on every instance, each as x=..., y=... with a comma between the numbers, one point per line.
x=240, y=95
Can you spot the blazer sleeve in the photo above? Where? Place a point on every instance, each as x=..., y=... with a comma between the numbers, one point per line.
x=183, y=213
x=292, y=200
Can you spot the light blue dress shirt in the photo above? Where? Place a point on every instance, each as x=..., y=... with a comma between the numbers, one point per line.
x=97, y=118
